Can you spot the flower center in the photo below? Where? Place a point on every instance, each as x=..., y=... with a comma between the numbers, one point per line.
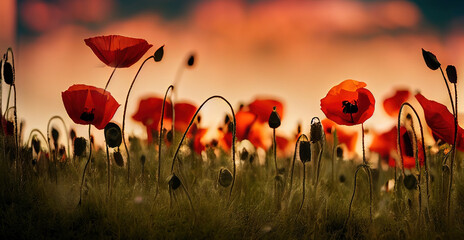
x=88, y=116
x=350, y=108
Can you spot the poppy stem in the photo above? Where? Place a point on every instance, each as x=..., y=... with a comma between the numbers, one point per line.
x=449, y=91
x=124, y=117
x=108, y=168
x=160, y=142
x=85, y=167
x=109, y=79
x=16, y=128
x=454, y=153
x=304, y=180
x=352, y=196
x=65, y=129
x=274, y=146
x=293, y=161
x=8, y=101
x=233, y=137
x=363, y=148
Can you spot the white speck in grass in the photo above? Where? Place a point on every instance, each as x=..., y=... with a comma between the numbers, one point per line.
x=138, y=199
x=266, y=229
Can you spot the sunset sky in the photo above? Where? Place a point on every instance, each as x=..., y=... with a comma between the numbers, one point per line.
x=294, y=51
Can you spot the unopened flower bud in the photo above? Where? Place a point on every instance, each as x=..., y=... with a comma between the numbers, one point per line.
x=316, y=132
x=174, y=182
x=36, y=144
x=225, y=177
x=159, y=54
x=305, y=151
x=430, y=59
x=118, y=158
x=452, y=75
x=8, y=74
x=79, y=146
x=410, y=182
x=191, y=60
x=55, y=136
x=339, y=152
x=274, y=119
x=113, y=135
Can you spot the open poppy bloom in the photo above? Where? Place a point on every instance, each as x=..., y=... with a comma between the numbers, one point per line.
x=348, y=103
x=262, y=108
x=441, y=121
x=149, y=114
x=118, y=51
x=349, y=139
x=393, y=104
x=89, y=105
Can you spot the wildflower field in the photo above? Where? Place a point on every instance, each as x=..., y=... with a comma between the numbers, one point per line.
x=241, y=180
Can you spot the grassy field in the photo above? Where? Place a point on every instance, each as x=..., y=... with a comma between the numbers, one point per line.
x=35, y=204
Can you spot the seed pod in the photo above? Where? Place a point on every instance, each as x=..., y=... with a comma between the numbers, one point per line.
x=174, y=182
x=36, y=144
x=451, y=73
x=159, y=54
x=316, y=132
x=80, y=144
x=274, y=119
x=8, y=74
x=118, y=158
x=430, y=59
x=339, y=152
x=410, y=182
x=113, y=135
x=142, y=159
x=225, y=177
x=191, y=60
x=305, y=151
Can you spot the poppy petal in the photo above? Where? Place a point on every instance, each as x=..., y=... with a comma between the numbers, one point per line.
x=393, y=104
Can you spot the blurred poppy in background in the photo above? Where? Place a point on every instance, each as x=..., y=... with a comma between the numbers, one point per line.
x=393, y=104
x=89, y=105
x=344, y=137
x=262, y=108
x=348, y=103
x=118, y=51
x=184, y=112
x=149, y=114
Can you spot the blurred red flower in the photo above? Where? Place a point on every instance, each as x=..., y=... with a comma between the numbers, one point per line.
x=149, y=114
x=392, y=104
x=249, y=127
x=441, y=121
x=215, y=138
x=262, y=108
x=348, y=103
x=89, y=105
x=118, y=51
x=349, y=139
x=184, y=113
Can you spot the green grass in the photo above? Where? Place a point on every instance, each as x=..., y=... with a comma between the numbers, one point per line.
x=33, y=206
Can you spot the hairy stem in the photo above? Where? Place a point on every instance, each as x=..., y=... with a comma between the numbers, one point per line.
x=85, y=167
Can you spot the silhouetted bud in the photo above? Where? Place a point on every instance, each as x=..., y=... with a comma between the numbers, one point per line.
x=430, y=59
x=8, y=74
x=342, y=178
x=305, y=151
x=80, y=144
x=225, y=177
x=113, y=135
x=452, y=75
x=55, y=136
x=72, y=134
x=118, y=158
x=8, y=128
x=142, y=159
x=227, y=120
x=169, y=135
x=244, y=154
x=1, y=66
x=36, y=144
x=191, y=60
x=410, y=182
x=339, y=152
x=174, y=182
x=316, y=132
x=34, y=162
x=409, y=116
x=159, y=54
x=408, y=148
x=274, y=119
x=298, y=128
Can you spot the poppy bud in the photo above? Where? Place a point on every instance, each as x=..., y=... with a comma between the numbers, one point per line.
x=72, y=134
x=169, y=135
x=408, y=148
x=174, y=182
x=8, y=128
x=142, y=159
x=34, y=162
x=225, y=177
x=191, y=60
x=342, y=178
x=55, y=135
x=274, y=119
x=298, y=128
x=316, y=132
x=159, y=54
x=244, y=154
x=305, y=151
x=8, y=74
x=410, y=182
x=339, y=152
x=430, y=59
x=79, y=146
x=113, y=135
x=118, y=158
x=227, y=120
x=452, y=75
x=36, y=144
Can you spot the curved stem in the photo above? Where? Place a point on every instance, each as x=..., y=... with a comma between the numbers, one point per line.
x=449, y=92
x=40, y=133
x=354, y=192
x=65, y=129
x=124, y=117
x=85, y=167
x=233, y=136
x=160, y=142
x=293, y=161
x=109, y=79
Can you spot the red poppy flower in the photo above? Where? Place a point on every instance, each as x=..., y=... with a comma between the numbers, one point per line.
x=248, y=127
x=384, y=143
x=89, y=105
x=209, y=138
x=348, y=103
x=441, y=121
x=349, y=139
x=392, y=104
x=184, y=114
x=263, y=108
x=149, y=114
x=118, y=51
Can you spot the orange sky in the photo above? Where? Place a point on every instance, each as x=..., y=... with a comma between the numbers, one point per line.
x=292, y=50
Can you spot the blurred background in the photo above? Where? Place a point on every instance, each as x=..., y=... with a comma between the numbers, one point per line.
x=294, y=51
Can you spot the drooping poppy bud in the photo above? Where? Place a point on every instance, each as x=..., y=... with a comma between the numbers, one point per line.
x=80, y=144
x=410, y=182
x=143, y=159
x=113, y=135
x=55, y=136
x=225, y=177
x=36, y=144
x=430, y=59
x=305, y=151
x=118, y=158
x=274, y=119
x=159, y=54
x=8, y=74
x=72, y=134
x=316, y=132
x=174, y=182
x=451, y=73
x=191, y=60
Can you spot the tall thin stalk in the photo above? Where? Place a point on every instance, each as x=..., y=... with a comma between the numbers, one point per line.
x=85, y=167
x=293, y=161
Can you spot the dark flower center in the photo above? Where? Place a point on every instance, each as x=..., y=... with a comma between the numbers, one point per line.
x=350, y=108
x=88, y=116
